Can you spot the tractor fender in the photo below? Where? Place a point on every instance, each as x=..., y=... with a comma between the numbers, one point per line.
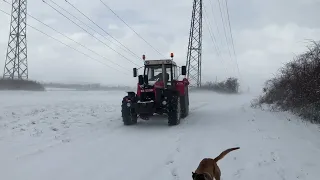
x=132, y=95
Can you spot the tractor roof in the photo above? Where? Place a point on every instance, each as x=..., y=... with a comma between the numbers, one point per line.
x=160, y=61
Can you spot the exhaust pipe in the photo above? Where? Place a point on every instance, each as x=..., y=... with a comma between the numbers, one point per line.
x=164, y=73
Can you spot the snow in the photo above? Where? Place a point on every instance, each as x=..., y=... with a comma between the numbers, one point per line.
x=79, y=135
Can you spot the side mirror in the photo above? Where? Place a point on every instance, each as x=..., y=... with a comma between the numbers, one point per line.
x=146, y=79
x=135, y=72
x=140, y=77
x=183, y=70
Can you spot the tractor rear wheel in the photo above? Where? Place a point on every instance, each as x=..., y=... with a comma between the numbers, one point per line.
x=174, y=113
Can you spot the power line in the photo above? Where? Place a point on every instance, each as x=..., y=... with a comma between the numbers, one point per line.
x=213, y=39
x=214, y=18
x=210, y=30
x=212, y=35
x=224, y=28
x=67, y=45
x=88, y=32
x=234, y=52
x=102, y=29
x=131, y=28
x=71, y=39
x=76, y=18
x=95, y=30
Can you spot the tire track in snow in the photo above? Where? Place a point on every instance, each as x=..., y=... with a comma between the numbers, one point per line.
x=200, y=105
x=100, y=130
x=36, y=110
x=274, y=158
x=170, y=162
x=269, y=159
x=198, y=143
x=60, y=124
x=171, y=158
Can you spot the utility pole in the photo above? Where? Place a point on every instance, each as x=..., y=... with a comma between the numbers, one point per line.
x=16, y=65
x=195, y=45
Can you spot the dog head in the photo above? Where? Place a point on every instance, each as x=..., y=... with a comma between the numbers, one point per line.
x=196, y=176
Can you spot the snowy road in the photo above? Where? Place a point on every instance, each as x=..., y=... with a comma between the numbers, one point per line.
x=70, y=135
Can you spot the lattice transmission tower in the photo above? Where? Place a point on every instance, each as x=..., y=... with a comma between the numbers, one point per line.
x=195, y=45
x=16, y=65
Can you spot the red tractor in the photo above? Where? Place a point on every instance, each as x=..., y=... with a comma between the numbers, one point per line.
x=159, y=92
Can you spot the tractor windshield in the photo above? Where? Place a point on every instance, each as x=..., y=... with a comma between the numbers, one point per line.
x=154, y=73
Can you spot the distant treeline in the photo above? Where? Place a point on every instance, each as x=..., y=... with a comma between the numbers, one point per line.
x=93, y=86
x=30, y=85
x=17, y=84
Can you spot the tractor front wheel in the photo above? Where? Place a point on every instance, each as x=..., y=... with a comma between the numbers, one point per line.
x=184, y=106
x=129, y=116
x=174, y=113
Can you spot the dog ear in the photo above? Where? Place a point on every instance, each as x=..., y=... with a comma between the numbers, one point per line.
x=193, y=175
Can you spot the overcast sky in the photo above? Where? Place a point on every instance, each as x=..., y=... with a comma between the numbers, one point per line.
x=266, y=34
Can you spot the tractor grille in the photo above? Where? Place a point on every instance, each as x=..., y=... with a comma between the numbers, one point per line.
x=147, y=96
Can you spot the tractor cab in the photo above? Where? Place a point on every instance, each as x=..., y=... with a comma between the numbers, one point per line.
x=163, y=73
x=156, y=75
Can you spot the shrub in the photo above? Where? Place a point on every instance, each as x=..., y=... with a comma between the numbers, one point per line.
x=230, y=85
x=297, y=86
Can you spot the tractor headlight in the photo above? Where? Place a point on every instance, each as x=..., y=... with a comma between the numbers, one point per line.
x=164, y=102
x=128, y=104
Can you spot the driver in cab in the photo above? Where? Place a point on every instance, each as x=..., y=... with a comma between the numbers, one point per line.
x=159, y=77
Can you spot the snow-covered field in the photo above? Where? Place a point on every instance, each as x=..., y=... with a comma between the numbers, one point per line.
x=79, y=135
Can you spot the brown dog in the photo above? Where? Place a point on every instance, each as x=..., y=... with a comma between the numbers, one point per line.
x=208, y=168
